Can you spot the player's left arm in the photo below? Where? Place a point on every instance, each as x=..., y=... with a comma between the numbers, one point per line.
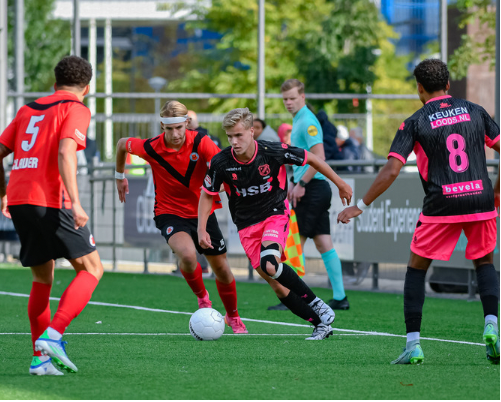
x=317, y=164
x=4, y=151
x=383, y=181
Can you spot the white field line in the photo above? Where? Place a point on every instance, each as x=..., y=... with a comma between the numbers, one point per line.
x=167, y=334
x=350, y=331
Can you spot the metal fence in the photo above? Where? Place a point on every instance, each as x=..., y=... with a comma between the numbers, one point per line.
x=107, y=222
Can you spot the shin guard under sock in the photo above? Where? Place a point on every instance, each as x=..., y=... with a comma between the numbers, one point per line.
x=288, y=278
x=488, y=288
x=38, y=311
x=300, y=308
x=228, y=295
x=414, y=298
x=74, y=299
x=335, y=273
x=195, y=281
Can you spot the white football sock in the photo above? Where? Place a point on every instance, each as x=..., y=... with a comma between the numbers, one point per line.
x=53, y=334
x=412, y=336
x=492, y=318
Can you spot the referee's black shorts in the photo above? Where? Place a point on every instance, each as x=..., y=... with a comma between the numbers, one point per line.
x=49, y=233
x=312, y=211
x=170, y=224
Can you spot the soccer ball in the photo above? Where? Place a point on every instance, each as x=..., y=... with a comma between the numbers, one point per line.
x=206, y=324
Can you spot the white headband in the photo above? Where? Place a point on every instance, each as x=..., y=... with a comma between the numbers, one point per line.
x=173, y=120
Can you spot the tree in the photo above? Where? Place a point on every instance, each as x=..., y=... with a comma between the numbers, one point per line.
x=392, y=78
x=326, y=43
x=47, y=40
x=478, y=48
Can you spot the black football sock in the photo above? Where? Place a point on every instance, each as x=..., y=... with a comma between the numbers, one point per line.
x=414, y=298
x=488, y=288
x=288, y=278
x=300, y=308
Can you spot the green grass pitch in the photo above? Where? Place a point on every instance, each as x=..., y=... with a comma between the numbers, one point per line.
x=274, y=362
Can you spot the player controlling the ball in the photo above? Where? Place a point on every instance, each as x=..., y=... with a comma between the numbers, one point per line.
x=254, y=178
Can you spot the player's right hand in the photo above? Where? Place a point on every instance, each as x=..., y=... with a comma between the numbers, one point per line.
x=348, y=213
x=345, y=193
x=123, y=188
x=204, y=239
x=5, y=208
x=79, y=216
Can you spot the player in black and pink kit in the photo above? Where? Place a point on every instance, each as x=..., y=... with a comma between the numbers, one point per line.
x=254, y=178
x=448, y=136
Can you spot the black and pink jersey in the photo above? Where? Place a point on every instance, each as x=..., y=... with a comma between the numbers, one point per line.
x=257, y=189
x=448, y=136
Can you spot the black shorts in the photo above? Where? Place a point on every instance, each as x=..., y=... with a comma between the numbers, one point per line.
x=49, y=233
x=313, y=210
x=171, y=224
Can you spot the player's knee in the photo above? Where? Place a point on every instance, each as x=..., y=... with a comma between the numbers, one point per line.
x=94, y=266
x=188, y=261
x=269, y=259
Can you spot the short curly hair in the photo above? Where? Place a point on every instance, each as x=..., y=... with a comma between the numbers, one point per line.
x=432, y=74
x=73, y=71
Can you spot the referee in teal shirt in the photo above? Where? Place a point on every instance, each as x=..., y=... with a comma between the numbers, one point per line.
x=310, y=193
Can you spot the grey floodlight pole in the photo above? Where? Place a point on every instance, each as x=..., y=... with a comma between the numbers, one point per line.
x=92, y=60
x=443, y=30
x=19, y=53
x=76, y=28
x=260, y=62
x=3, y=65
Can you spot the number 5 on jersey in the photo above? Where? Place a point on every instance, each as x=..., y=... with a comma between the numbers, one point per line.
x=33, y=130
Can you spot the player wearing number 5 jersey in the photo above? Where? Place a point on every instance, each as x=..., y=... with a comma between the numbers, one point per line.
x=448, y=136
x=42, y=198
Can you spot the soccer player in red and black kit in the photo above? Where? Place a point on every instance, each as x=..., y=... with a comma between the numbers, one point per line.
x=448, y=136
x=254, y=178
x=179, y=159
x=42, y=198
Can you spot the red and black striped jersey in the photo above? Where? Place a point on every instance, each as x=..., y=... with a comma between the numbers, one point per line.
x=178, y=175
x=34, y=137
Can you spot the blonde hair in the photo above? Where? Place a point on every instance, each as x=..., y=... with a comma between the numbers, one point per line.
x=235, y=116
x=173, y=108
x=292, y=83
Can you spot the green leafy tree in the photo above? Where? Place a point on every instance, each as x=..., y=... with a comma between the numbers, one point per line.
x=392, y=78
x=478, y=48
x=47, y=40
x=326, y=43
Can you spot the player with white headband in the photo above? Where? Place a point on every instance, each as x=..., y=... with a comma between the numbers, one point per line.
x=179, y=160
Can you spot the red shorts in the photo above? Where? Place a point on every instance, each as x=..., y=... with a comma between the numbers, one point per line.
x=437, y=240
x=275, y=229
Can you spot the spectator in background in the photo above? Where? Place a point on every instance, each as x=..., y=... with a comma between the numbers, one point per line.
x=193, y=125
x=331, y=149
x=263, y=132
x=349, y=148
x=92, y=155
x=357, y=136
x=284, y=133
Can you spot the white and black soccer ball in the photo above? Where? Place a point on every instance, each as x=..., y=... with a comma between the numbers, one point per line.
x=206, y=324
